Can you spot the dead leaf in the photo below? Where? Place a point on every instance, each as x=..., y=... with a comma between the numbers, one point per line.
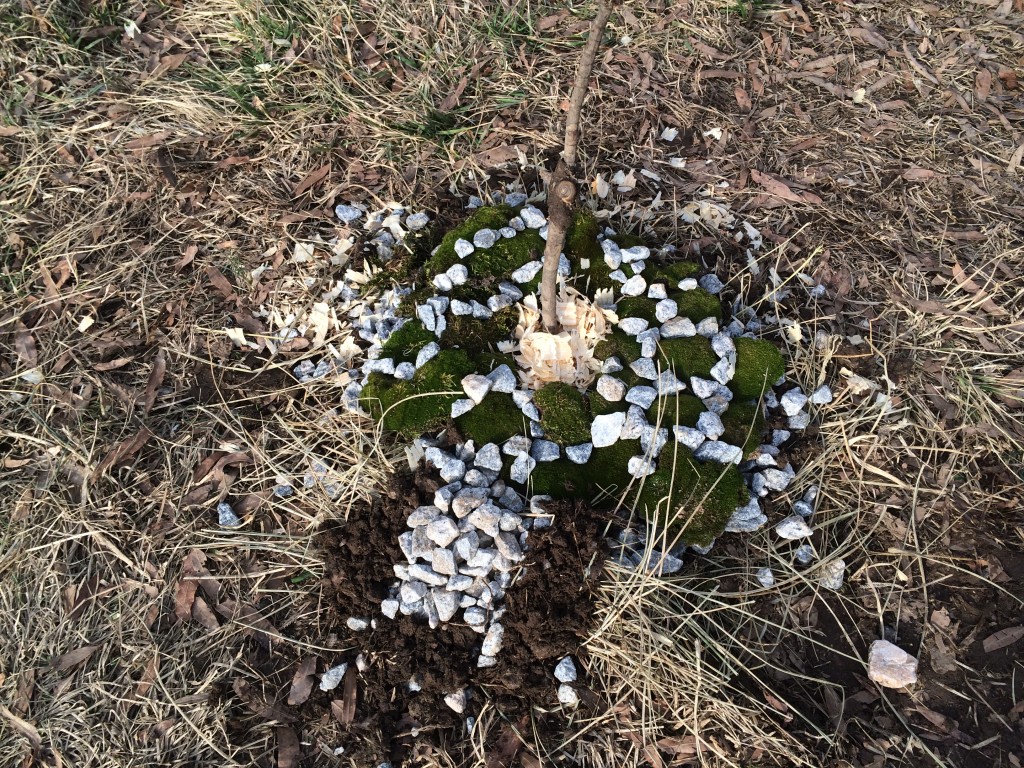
x=1009, y=389
x=148, y=676
x=302, y=681
x=25, y=346
x=918, y=174
x=312, y=179
x=185, y=593
x=156, y=378
x=228, y=162
x=169, y=62
x=452, y=99
x=23, y=727
x=982, y=85
x=967, y=284
x=66, y=661
x=507, y=746
x=112, y=365
x=680, y=748
x=123, y=451
x=202, y=613
x=781, y=189
x=186, y=258
x=151, y=140
x=289, y=751
x=743, y=99
x=7, y=131
x=348, y=696
x=221, y=283
x=1002, y=638
x=550, y=22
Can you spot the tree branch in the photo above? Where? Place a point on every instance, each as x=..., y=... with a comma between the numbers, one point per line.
x=579, y=88
x=562, y=189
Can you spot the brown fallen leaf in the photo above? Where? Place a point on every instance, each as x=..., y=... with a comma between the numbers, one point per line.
x=112, y=365
x=302, y=681
x=781, y=189
x=983, y=299
x=348, y=695
x=311, y=179
x=23, y=727
x=202, y=613
x=228, y=162
x=449, y=102
x=1002, y=638
x=289, y=751
x=918, y=174
x=185, y=592
x=25, y=346
x=221, y=283
x=186, y=258
x=148, y=141
x=123, y=451
x=73, y=658
x=156, y=378
x=148, y=676
x=1009, y=389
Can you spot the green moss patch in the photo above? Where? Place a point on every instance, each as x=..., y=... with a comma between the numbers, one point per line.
x=414, y=407
x=478, y=336
x=403, y=344
x=563, y=414
x=691, y=498
x=691, y=356
x=673, y=273
x=744, y=425
x=637, y=306
x=697, y=304
x=488, y=217
x=494, y=420
x=758, y=365
x=681, y=410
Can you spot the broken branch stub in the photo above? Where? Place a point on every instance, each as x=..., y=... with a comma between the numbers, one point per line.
x=562, y=187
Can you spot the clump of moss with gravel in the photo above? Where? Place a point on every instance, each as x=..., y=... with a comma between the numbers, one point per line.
x=685, y=471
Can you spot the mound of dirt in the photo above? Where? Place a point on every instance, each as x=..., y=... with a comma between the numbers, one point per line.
x=549, y=610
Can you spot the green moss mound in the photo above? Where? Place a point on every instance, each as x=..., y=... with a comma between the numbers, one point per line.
x=637, y=306
x=691, y=498
x=673, y=273
x=412, y=407
x=698, y=304
x=498, y=261
x=681, y=410
x=600, y=407
x=618, y=344
x=758, y=365
x=744, y=425
x=403, y=344
x=691, y=356
x=605, y=475
x=494, y=420
x=564, y=414
x=478, y=336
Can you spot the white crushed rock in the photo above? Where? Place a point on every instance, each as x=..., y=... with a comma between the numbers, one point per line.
x=890, y=666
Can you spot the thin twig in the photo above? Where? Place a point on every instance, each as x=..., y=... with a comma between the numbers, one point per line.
x=579, y=88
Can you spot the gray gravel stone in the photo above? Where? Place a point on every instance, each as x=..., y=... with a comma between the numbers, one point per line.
x=475, y=617
x=799, y=420
x=653, y=440
x=803, y=509
x=792, y=402
x=793, y=527
x=489, y=457
x=226, y=517
x=565, y=671
x=465, y=547
x=544, y=450
x=527, y=272
x=486, y=518
x=511, y=290
x=831, y=574
x=605, y=429
x=412, y=591
x=347, y=213
x=532, y=217
x=579, y=454
x=463, y=248
x=516, y=223
x=443, y=561
x=427, y=575
x=485, y=238
x=644, y=368
x=765, y=578
x=821, y=396
x=516, y=444
x=610, y=388
x=611, y=365
x=476, y=387
x=668, y=384
x=715, y=450
x=804, y=554
x=389, y=608
x=456, y=701
x=422, y=516
x=446, y=603
x=634, y=286
x=493, y=640
x=567, y=695
x=711, y=425
x=707, y=327
x=631, y=326
x=508, y=546
x=688, y=436
x=642, y=396
x=635, y=253
x=499, y=302
x=461, y=308
x=503, y=379
x=417, y=221
x=634, y=425
x=711, y=283
x=405, y=371
x=507, y=232
x=722, y=344
x=724, y=370
x=747, y=518
x=657, y=291
x=687, y=284
x=665, y=310
x=427, y=353
x=703, y=388
x=521, y=468
x=442, y=282
x=510, y=522
x=677, y=328
x=460, y=407
x=480, y=312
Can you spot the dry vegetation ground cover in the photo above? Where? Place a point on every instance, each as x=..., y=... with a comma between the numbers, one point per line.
x=158, y=164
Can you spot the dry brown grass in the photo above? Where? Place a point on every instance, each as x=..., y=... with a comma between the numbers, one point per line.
x=118, y=154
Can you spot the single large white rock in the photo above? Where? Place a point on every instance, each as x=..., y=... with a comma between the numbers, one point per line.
x=793, y=527
x=476, y=387
x=565, y=671
x=606, y=428
x=890, y=666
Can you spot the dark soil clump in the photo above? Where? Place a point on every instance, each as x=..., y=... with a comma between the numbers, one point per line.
x=549, y=611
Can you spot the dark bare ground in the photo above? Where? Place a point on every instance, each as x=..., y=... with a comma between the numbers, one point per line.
x=549, y=611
